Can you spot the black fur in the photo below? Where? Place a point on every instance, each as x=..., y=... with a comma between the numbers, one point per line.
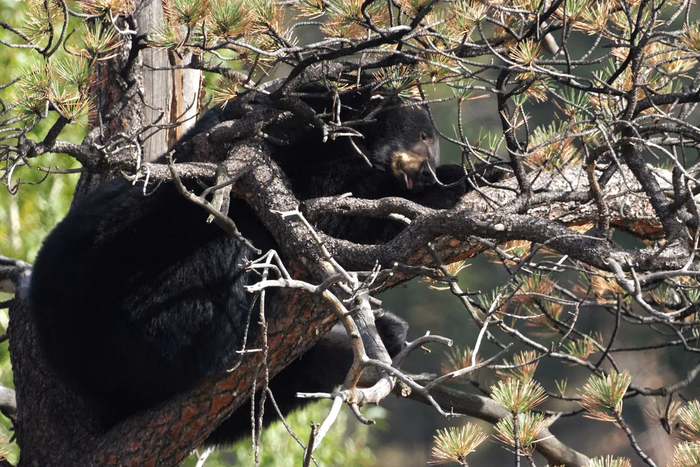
x=321, y=369
x=138, y=298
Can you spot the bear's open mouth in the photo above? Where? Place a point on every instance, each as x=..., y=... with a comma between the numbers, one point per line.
x=406, y=167
x=407, y=180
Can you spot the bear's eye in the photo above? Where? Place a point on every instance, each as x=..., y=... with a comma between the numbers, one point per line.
x=423, y=136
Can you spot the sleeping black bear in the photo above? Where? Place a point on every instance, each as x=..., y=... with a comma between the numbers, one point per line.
x=137, y=298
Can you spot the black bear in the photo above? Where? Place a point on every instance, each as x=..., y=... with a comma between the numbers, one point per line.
x=137, y=298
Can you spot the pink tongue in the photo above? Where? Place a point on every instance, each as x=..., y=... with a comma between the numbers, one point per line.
x=409, y=182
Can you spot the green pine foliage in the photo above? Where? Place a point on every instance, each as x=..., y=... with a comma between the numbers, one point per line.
x=27, y=217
